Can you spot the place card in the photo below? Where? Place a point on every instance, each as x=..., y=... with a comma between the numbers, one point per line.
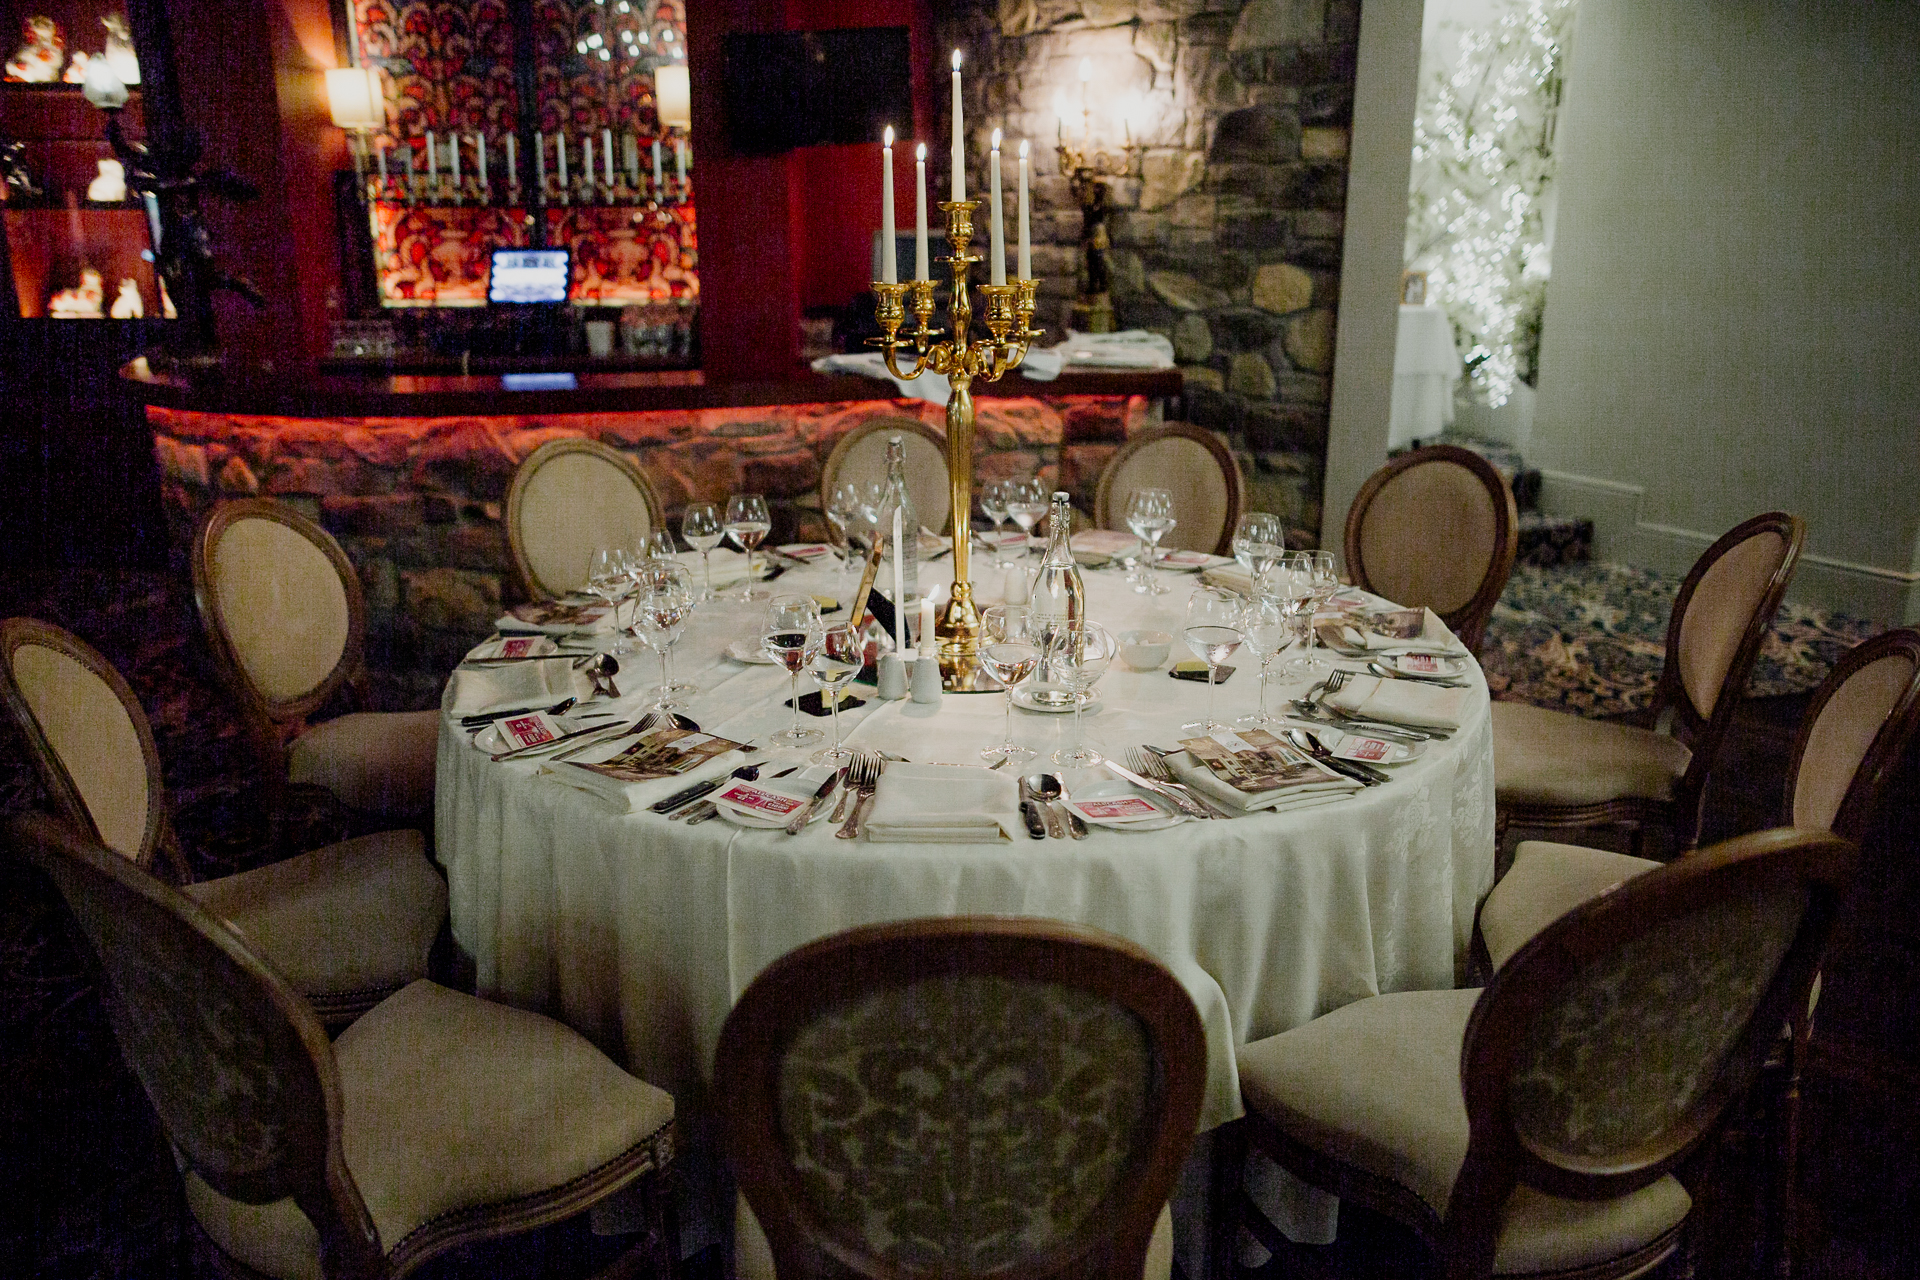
x=759, y=801
x=528, y=730
x=512, y=647
x=1115, y=809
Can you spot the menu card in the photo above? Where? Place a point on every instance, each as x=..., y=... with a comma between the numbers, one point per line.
x=558, y=613
x=1253, y=761
x=659, y=753
x=1397, y=624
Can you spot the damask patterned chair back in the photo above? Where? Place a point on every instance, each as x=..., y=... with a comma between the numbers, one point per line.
x=860, y=457
x=1854, y=734
x=568, y=499
x=1194, y=467
x=1609, y=1045
x=961, y=1097
x=236, y=1065
x=1437, y=529
x=87, y=738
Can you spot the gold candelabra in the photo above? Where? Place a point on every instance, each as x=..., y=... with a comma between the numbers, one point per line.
x=962, y=358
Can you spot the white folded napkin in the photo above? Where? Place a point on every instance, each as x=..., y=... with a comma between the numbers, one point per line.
x=475, y=691
x=1234, y=577
x=1429, y=706
x=942, y=804
x=1306, y=795
x=1433, y=635
x=1127, y=349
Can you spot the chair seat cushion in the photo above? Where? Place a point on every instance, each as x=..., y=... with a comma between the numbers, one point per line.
x=351, y=918
x=1376, y=1084
x=1543, y=757
x=1545, y=882
x=374, y=761
x=450, y=1105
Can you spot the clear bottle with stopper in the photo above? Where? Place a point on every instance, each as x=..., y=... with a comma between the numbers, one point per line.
x=1058, y=596
x=899, y=530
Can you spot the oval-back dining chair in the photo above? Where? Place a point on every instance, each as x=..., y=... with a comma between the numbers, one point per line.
x=349, y=924
x=434, y=1120
x=1195, y=467
x=283, y=613
x=1436, y=529
x=860, y=457
x=568, y=499
x=961, y=1097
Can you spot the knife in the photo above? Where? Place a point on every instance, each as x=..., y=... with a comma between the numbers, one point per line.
x=1030, y=813
x=798, y=822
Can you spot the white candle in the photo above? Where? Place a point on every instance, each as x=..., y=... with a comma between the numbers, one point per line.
x=680, y=157
x=1026, y=240
x=560, y=150
x=453, y=153
x=606, y=153
x=926, y=625
x=658, y=181
x=959, y=144
x=920, y=213
x=899, y=588
x=586, y=160
x=480, y=150
x=380, y=151
x=996, y=231
x=513, y=170
x=889, y=270
x=432, y=161
x=633, y=160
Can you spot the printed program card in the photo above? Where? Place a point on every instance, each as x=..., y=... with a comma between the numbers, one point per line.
x=661, y=753
x=558, y=613
x=1253, y=761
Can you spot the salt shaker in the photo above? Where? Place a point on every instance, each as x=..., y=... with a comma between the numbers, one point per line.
x=926, y=679
x=891, y=678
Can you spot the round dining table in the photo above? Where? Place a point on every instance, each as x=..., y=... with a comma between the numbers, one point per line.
x=640, y=932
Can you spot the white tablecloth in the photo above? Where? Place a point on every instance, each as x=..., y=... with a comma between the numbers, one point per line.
x=1426, y=369
x=640, y=933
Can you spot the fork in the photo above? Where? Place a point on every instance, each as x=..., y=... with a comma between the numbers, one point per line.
x=867, y=769
x=1336, y=681
x=850, y=785
x=1148, y=765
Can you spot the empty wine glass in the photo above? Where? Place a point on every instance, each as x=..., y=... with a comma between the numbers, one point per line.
x=993, y=505
x=1150, y=517
x=1290, y=584
x=1258, y=540
x=1267, y=624
x=663, y=597
x=660, y=546
x=842, y=511
x=1322, y=578
x=1008, y=652
x=792, y=637
x=1212, y=632
x=701, y=527
x=841, y=654
x=747, y=523
x=1026, y=505
x=1077, y=656
x=607, y=578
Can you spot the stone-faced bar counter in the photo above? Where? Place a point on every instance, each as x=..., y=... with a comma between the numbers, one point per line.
x=418, y=501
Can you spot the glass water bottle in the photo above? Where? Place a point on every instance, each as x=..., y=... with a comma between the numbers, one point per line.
x=905, y=551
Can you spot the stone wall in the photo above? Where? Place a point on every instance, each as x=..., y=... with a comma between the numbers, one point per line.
x=1227, y=228
x=418, y=503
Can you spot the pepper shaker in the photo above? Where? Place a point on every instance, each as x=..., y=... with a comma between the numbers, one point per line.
x=926, y=679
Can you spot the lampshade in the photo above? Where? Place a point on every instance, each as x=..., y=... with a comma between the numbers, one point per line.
x=353, y=95
x=673, y=90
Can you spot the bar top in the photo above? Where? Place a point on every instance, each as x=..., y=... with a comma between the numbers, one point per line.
x=372, y=395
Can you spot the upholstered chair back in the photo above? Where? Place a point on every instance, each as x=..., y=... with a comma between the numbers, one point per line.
x=236, y=1065
x=86, y=735
x=568, y=499
x=1854, y=734
x=1190, y=464
x=1436, y=529
x=1730, y=590
x=860, y=458
x=1609, y=1044
x=962, y=1098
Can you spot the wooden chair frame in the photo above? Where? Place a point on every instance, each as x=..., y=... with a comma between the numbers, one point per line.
x=1683, y=814
x=1889, y=743
x=1104, y=516
x=47, y=764
x=789, y=993
x=1469, y=621
x=310, y=1167
x=896, y=424
x=1498, y=1158
x=530, y=587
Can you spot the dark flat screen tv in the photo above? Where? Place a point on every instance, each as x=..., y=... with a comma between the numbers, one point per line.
x=787, y=89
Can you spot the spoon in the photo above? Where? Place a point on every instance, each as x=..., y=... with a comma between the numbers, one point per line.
x=1076, y=825
x=1318, y=750
x=1385, y=672
x=601, y=671
x=1045, y=789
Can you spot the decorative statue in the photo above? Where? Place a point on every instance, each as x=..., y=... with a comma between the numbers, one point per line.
x=82, y=302
x=13, y=170
x=127, y=304
x=111, y=186
x=41, y=54
x=119, y=53
x=76, y=72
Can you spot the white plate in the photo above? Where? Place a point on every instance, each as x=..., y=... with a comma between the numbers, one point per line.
x=1426, y=664
x=745, y=818
x=1115, y=789
x=751, y=654
x=1023, y=698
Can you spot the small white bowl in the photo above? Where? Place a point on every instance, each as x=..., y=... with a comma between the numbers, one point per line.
x=1145, y=650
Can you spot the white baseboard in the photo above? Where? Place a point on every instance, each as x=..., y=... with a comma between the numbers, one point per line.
x=1613, y=507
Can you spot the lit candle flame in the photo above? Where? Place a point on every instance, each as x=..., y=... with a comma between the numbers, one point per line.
x=1023, y=148
x=956, y=59
x=996, y=139
x=887, y=137
x=920, y=152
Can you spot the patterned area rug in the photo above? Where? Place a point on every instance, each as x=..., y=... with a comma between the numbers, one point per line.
x=1591, y=639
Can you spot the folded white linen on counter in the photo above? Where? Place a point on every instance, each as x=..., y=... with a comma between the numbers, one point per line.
x=942, y=804
x=477, y=691
x=1127, y=349
x=1433, y=635
x=1429, y=706
x=1304, y=796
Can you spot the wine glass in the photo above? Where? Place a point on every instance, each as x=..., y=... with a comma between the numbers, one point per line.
x=1212, y=632
x=747, y=523
x=1008, y=652
x=841, y=654
x=1026, y=504
x=1322, y=579
x=993, y=505
x=663, y=597
x=700, y=526
x=1267, y=623
x=607, y=578
x=1077, y=656
x=660, y=546
x=1258, y=540
x=1149, y=516
x=1290, y=584
x=842, y=512
x=791, y=637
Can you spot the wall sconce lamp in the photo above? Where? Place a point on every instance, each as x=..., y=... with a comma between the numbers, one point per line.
x=1087, y=171
x=358, y=106
x=673, y=94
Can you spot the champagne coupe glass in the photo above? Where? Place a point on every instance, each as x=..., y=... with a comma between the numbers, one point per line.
x=1258, y=541
x=1026, y=504
x=1267, y=624
x=1212, y=632
x=747, y=523
x=607, y=578
x=791, y=637
x=993, y=505
x=1149, y=516
x=1010, y=655
x=839, y=659
x=701, y=527
x=1323, y=581
x=663, y=597
x=1077, y=656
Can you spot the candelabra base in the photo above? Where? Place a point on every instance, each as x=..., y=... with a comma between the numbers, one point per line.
x=958, y=630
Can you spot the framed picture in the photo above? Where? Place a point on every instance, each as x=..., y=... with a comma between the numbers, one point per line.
x=1413, y=288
